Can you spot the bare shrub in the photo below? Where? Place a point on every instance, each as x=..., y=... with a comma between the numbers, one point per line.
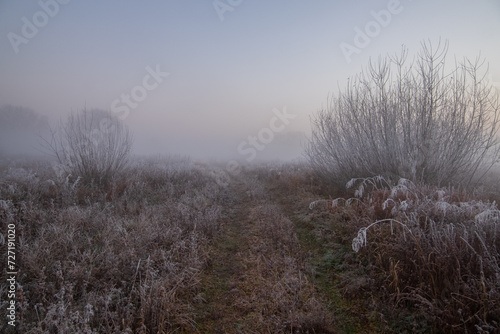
x=93, y=144
x=420, y=120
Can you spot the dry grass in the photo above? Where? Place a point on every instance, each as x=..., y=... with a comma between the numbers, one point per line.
x=265, y=288
x=125, y=259
x=435, y=251
x=276, y=291
x=428, y=258
x=168, y=247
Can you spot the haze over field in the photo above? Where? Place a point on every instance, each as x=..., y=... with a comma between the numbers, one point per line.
x=204, y=78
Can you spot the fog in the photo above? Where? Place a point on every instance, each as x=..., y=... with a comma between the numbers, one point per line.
x=204, y=78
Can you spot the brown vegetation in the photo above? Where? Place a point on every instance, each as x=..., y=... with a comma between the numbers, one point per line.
x=427, y=258
x=121, y=260
x=258, y=281
x=167, y=247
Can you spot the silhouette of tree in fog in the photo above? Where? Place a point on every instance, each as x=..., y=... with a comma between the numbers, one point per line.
x=19, y=129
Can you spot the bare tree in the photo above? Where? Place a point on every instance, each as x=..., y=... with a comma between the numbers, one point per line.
x=422, y=121
x=94, y=145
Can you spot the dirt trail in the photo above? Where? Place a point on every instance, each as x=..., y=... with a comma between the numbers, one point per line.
x=255, y=281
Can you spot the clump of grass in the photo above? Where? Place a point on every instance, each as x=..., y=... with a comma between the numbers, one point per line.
x=435, y=250
x=124, y=258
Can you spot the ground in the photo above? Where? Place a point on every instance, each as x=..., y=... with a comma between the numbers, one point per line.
x=260, y=277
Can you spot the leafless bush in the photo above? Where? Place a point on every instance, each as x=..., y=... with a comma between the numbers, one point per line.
x=419, y=120
x=92, y=144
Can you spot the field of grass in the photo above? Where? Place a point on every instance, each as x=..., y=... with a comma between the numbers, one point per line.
x=404, y=257
x=174, y=246
x=123, y=259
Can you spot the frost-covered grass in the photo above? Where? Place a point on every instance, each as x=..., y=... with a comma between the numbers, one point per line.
x=435, y=250
x=130, y=257
x=121, y=259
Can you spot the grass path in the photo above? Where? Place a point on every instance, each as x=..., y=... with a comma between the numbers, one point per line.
x=255, y=281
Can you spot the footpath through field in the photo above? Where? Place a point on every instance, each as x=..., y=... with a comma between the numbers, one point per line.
x=256, y=281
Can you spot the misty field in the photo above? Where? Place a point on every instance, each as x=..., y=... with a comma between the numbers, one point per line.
x=174, y=246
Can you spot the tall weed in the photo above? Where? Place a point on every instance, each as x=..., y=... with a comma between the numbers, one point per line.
x=435, y=249
x=124, y=258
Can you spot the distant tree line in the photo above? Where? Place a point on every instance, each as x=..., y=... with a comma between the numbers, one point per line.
x=19, y=129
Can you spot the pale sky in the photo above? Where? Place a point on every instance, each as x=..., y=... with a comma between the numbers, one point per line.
x=230, y=63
